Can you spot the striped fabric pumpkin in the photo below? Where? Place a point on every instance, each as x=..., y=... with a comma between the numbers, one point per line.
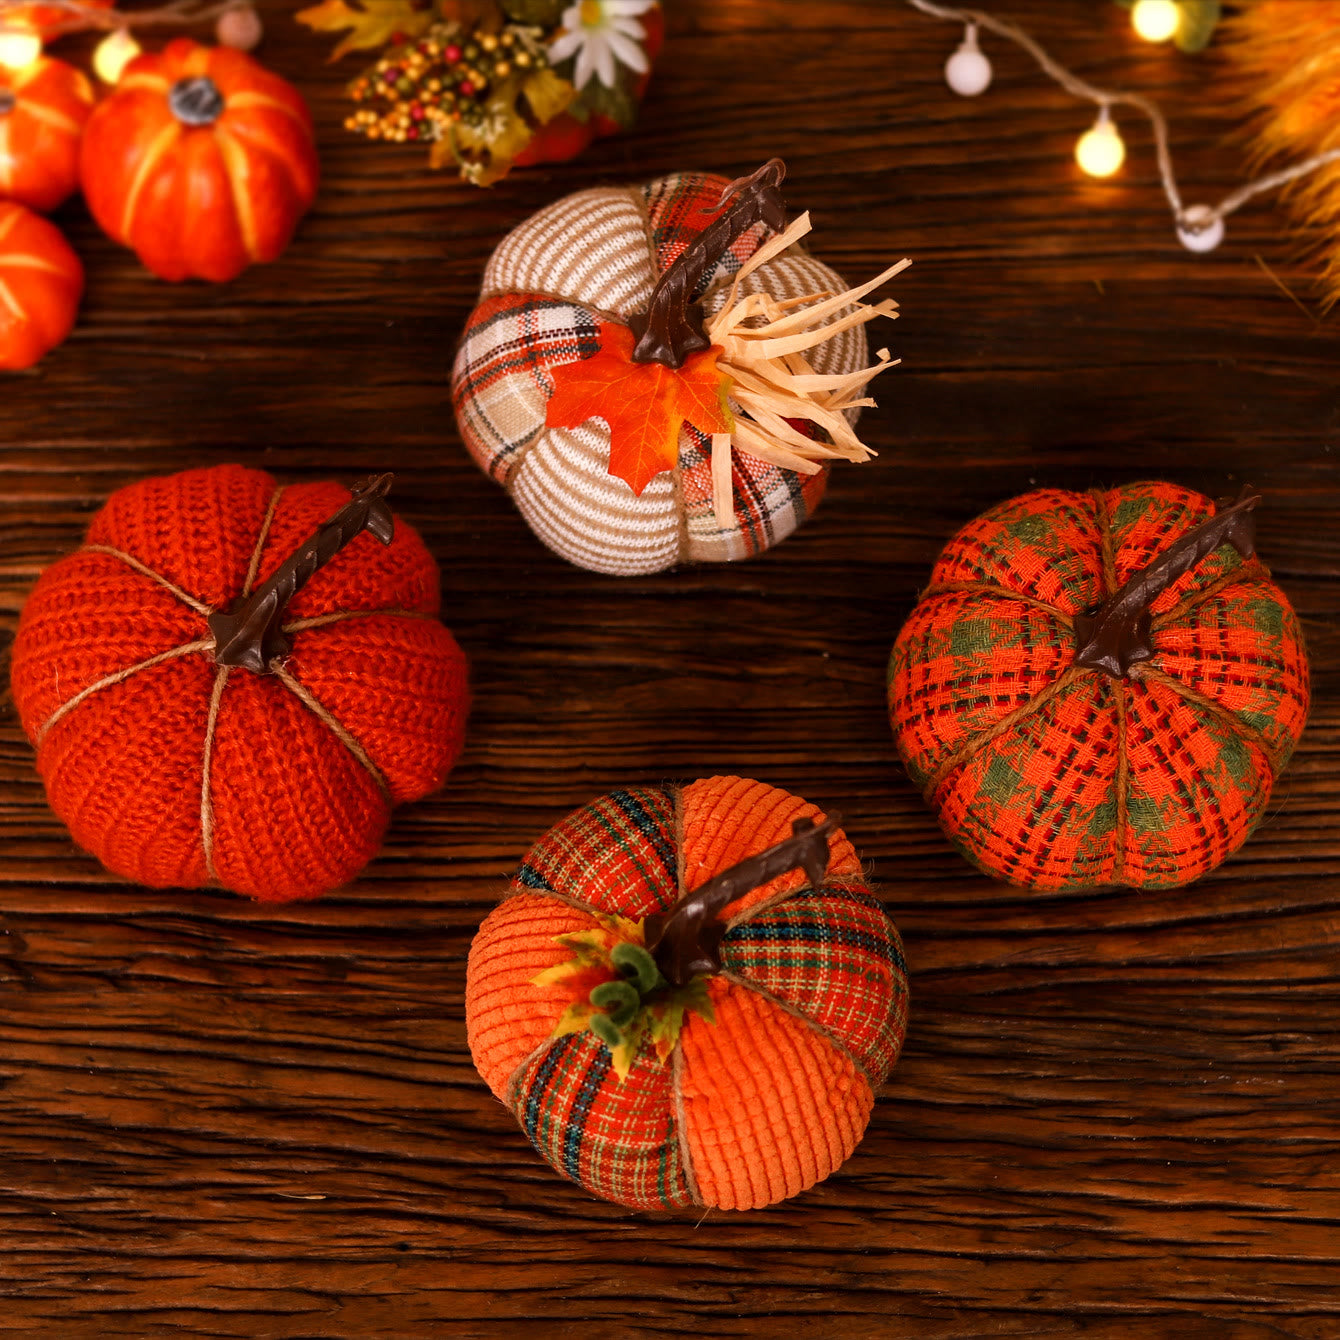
x=596, y=255
x=808, y=1012
x=1053, y=775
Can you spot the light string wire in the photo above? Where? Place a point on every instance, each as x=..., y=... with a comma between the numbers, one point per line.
x=80, y=17
x=1196, y=219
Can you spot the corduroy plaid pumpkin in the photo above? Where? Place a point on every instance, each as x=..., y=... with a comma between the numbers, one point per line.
x=735, y=1079
x=1100, y=688
x=230, y=683
x=596, y=258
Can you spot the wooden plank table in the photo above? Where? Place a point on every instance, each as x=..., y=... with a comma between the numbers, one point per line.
x=1116, y=1114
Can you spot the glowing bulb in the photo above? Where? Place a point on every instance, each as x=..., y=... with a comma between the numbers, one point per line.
x=1100, y=151
x=1199, y=229
x=19, y=48
x=1156, y=20
x=967, y=71
x=113, y=54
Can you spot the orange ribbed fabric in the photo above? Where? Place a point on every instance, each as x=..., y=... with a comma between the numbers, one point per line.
x=770, y=1105
x=810, y=1007
x=174, y=771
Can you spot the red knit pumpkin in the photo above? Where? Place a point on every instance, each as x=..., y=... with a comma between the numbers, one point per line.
x=41, y=281
x=1100, y=688
x=183, y=751
x=200, y=160
x=43, y=108
x=689, y=996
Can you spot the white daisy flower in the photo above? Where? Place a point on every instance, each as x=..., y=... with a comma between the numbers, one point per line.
x=602, y=34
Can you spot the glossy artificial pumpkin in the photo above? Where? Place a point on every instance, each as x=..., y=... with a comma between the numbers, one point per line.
x=43, y=108
x=200, y=160
x=689, y=996
x=232, y=684
x=712, y=443
x=1100, y=688
x=41, y=281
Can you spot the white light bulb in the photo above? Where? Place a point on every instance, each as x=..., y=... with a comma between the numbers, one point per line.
x=1199, y=229
x=1156, y=20
x=19, y=48
x=1100, y=151
x=967, y=71
x=113, y=54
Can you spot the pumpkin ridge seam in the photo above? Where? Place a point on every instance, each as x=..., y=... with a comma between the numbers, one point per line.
x=1253, y=570
x=328, y=719
x=207, y=770
x=253, y=568
x=145, y=570
x=990, y=589
x=1239, y=728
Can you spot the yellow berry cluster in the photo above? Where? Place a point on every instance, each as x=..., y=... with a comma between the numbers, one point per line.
x=419, y=88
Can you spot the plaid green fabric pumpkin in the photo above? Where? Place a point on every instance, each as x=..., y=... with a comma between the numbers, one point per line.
x=1053, y=774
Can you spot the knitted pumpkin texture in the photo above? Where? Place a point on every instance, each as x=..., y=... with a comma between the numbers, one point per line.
x=660, y=374
x=1100, y=688
x=674, y=1012
x=233, y=681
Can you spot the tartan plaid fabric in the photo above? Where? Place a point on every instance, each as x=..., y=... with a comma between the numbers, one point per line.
x=598, y=251
x=1203, y=730
x=501, y=381
x=679, y=207
x=616, y=1138
x=830, y=960
x=835, y=956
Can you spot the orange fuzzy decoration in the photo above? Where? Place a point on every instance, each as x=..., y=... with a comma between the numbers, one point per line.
x=765, y=1084
x=174, y=769
x=1287, y=56
x=43, y=108
x=1053, y=774
x=200, y=160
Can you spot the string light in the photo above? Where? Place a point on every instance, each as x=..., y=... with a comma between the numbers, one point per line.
x=1156, y=20
x=967, y=71
x=113, y=54
x=1101, y=150
x=1199, y=227
x=19, y=48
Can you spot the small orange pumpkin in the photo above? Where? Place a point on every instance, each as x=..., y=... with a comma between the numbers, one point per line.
x=201, y=161
x=43, y=108
x=41, y=281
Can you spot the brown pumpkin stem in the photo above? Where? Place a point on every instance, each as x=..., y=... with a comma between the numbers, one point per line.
x=672, y=326
x=8, y=101
x=1119, y=633
x=251, y=634
x=686, y=941
x=196, y=102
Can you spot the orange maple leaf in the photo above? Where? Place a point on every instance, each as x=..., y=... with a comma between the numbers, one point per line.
x=645, y=404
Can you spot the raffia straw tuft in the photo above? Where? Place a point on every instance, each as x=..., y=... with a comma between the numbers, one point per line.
x=764, y=342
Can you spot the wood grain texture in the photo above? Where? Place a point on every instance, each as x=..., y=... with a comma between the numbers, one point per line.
x=1116, y=1115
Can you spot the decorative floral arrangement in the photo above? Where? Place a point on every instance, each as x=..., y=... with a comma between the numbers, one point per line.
x=493, y=84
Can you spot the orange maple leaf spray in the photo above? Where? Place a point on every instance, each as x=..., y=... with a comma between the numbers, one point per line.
x=743, y=377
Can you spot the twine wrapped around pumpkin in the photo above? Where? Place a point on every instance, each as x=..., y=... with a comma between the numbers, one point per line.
x=1100, y=688
x=232, y=682
x=689, y=996
x=791, y=353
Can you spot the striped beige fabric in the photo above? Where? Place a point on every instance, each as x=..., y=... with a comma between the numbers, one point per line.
x=590, y=247
x=564, y=489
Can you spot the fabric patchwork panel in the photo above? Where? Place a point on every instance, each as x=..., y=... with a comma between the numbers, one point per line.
x=679, y=207
x=770, y=1105
x=1197, y=787
x=1036, y=805
x=1044, y=545
x=729, y=819
x=963, y=662
x=616, y=855
x=501, y=384
x=835, y=956
x=507, y=1017
x=1242, y=648
x=564, y=489
x=589, y=248
x=616, y=1138
x=769, y=502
